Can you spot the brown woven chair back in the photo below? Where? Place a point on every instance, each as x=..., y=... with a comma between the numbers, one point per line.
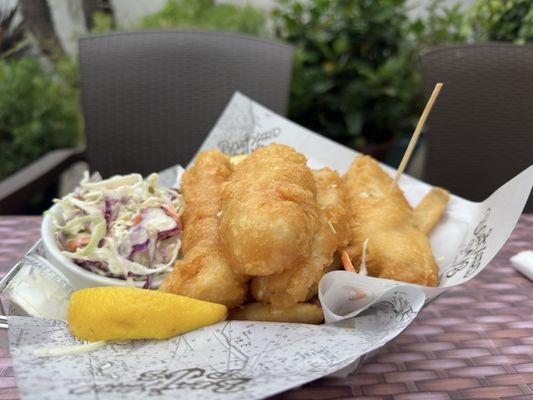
x=480, y=132
x=151, y=97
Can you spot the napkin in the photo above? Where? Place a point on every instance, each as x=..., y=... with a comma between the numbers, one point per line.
x=523, y=263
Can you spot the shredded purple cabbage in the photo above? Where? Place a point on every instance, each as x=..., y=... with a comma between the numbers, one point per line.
x=90, y=264
x=148, y=282
x=164, y=255
x=136, y=248
x=170, y=232
x=111, y=209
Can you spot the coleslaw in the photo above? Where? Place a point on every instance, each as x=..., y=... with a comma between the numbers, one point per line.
x=123, y=227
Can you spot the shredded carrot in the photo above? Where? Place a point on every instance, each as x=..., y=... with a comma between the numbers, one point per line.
x=172, y=213
x=76, y=243
x=137, y=218
x=346, y=262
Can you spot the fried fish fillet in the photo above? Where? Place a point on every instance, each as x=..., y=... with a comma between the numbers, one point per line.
x=204, y=273
x=269, y=212
x=299, y=283
x=396, y=248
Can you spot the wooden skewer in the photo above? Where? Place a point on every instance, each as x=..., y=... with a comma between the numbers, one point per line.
x=416, y=134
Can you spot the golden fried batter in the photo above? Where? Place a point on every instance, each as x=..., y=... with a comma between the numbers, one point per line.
x=396, y=248
x=300, y=282
x=204, y=273
x=330, y=199
x=269, y=212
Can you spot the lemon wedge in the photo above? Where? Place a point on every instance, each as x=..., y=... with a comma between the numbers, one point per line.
x=121, y=313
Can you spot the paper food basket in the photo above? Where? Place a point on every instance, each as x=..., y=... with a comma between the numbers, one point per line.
x=246, y=359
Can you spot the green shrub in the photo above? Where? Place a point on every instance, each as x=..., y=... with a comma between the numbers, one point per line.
x=206, y=14
x=102, y=23
x=507, y=21
x=38, y=112
x=442, y=25
x=354, y=77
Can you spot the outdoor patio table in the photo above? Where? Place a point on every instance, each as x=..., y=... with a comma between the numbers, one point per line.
x=474, y=342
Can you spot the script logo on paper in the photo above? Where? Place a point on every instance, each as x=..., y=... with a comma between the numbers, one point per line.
x=160, y=381
x=469, y=259
x=249, y=142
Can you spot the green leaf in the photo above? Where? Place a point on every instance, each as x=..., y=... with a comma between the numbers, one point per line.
x=323, y=86
x=341, y=44
x=354, y=123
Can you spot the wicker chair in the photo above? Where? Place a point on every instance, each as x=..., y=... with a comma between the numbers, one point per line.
x=151, y=97
x=480, y=133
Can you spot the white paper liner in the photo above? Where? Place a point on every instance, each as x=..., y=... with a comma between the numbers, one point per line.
x=237, y=360
x=229, y=360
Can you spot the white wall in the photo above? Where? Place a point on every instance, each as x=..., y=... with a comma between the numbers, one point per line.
x=69, y=22
x=128, y=12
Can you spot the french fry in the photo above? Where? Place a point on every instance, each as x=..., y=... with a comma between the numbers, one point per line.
x=430, y=209
x=302, y=313
x=234, y=160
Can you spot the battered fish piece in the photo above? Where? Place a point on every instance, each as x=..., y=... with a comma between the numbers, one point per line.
x=396, y=248
x=300, y=283
x=204, y=273
x=269, y=212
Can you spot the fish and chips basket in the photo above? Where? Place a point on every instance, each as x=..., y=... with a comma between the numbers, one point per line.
x=249, y=359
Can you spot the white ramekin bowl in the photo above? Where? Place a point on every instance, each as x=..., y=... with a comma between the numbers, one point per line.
x=78, y=277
